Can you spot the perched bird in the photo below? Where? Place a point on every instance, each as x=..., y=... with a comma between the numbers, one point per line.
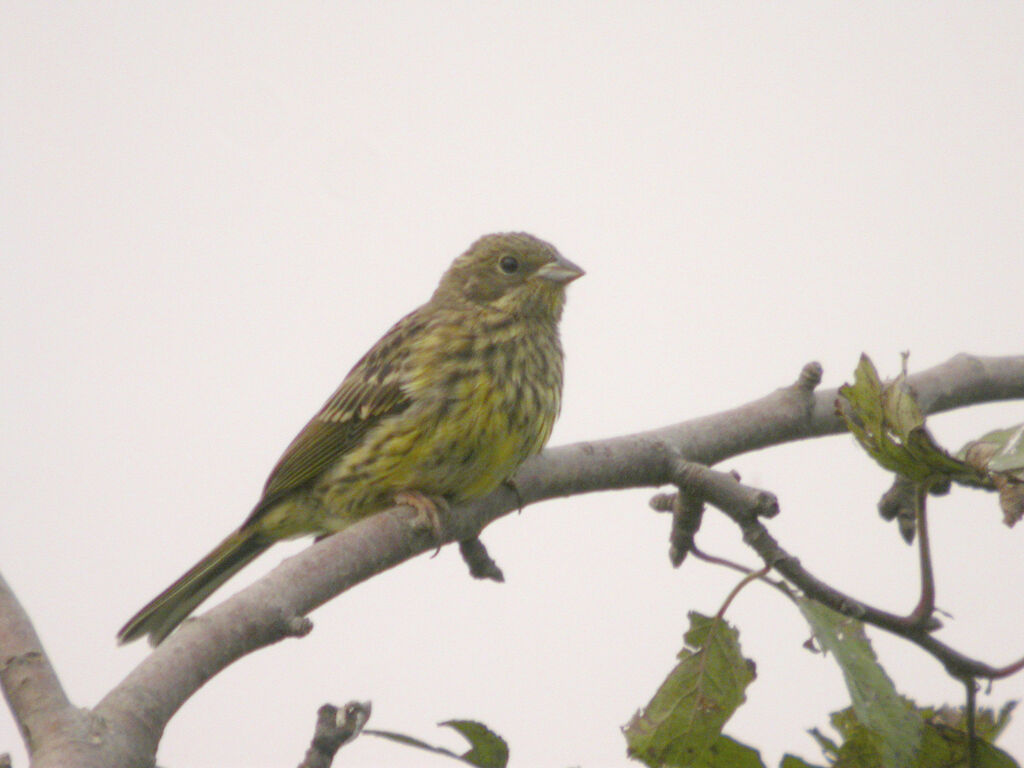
x=440, y=411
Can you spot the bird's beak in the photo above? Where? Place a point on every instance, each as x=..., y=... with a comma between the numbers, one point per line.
x=561, y=271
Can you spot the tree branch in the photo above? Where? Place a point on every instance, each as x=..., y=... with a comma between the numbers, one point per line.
x=30, y=684
x=335, y=728
x=136, y=711
x=745, y=506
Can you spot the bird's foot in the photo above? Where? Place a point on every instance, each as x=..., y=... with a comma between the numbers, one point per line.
x=428, y=513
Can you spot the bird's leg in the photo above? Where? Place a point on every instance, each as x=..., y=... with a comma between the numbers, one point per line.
x=427, y=513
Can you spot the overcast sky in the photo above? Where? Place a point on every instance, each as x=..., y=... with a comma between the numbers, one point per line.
x=208, y=211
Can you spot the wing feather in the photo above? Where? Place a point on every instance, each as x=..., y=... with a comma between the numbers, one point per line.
x=371, y=392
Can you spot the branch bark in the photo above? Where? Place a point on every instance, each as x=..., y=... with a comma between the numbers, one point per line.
x=133, y=715
x=335, y=728
x=30, y=684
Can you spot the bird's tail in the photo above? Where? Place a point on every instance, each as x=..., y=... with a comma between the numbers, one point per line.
x=168, y=609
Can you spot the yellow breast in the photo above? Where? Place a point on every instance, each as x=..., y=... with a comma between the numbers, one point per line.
x=481, y=405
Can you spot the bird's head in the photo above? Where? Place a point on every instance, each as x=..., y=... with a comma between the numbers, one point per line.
x=512, y=272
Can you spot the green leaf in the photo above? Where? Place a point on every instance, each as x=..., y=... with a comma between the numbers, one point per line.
x=792, y=761
x=684, y=719
x=988, y=723
x=726, y=752
x=1006, y=449
x=860, y=750
x=488, y=749
x=828, y=747
x=892, y=726
x=999, y=456
x=944, y=743
x=888, y=423
x=946, y=747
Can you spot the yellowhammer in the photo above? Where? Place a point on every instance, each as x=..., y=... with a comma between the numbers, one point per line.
x=441, y=410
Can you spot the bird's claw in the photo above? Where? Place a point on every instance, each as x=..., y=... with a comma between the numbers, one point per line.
x=428, y=513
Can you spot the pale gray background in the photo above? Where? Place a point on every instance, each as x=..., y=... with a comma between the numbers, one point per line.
x=208, y=211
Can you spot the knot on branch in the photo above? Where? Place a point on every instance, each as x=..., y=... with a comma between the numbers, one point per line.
x=810, y=377
x=724, y=491
x=334, y=728
x=297, y=626
x=687, y=515
x=698, y=484
x=850, y=608
x=481, y=564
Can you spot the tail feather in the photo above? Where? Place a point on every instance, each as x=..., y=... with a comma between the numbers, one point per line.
x=168, y=609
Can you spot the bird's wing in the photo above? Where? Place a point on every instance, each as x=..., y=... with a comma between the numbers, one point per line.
x=371, y=392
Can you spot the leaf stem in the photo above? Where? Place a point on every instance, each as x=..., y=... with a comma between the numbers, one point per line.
x=736, y=590
x=921, y=614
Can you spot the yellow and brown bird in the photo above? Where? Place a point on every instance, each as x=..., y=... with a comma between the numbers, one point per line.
x=441, y=410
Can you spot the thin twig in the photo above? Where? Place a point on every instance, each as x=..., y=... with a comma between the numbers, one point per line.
x=1009, y=669
x=744, y=507
x=700, y=554
x=926, y=604
x=739, y=588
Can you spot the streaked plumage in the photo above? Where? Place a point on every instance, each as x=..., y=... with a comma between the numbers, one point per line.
x=446, y=405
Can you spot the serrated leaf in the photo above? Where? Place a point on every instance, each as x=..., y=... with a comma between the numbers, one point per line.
x=859, y=750
x=999, y=720
x=487, y=749
x=945, y=747
x=846, y=723
x=1004, y=450
x=685, y=717
x=888, y=423
x=863, y=404
x=988, y=723
x=893, y=726
x=726, y=752
x=943, y=742
x=828, y=747
x=999, y=456
x=899, y=408
x=792, y=761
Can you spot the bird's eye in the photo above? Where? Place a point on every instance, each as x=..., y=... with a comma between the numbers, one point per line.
x=509, y=264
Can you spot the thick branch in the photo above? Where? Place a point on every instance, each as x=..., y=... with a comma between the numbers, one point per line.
x=266, y=612
x=34, y=694
x=274, y=608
